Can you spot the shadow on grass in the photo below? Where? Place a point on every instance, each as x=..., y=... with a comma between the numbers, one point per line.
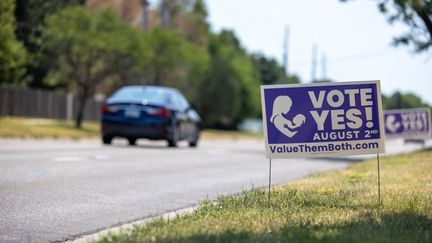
x=395, y=227
x=426, y=149
x=341, y=159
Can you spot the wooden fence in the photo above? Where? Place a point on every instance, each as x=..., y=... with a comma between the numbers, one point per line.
x=39, y=103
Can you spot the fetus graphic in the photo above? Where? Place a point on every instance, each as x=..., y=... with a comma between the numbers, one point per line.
x=281, y=106
x=391, y=123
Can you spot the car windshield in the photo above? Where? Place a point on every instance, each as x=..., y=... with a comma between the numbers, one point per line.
x=152, y=95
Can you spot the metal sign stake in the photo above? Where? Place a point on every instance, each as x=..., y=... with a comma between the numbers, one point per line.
x=379, y=181
x=269, y=185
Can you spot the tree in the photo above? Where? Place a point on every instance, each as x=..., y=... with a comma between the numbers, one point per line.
x=88, y=47
x=270, y=71
x=399, y=100
x=30, y=15
x=170, y=11
x=193, y=24
x=187, y=17
x=322, y=81
x=230, y=92
x=175, y=62
x=417, y=15
x=13, y=55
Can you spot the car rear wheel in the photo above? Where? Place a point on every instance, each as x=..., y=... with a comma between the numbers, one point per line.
x=193, y=139
x=132, y=141
x=174, y=137
x=106, y=139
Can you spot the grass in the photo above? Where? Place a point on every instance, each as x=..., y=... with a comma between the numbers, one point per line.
x=13, y=127
x=338, y=206
x=211, y=134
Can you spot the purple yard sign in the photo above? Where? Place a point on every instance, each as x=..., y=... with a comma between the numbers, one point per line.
x=313, y=120
x=408, y=123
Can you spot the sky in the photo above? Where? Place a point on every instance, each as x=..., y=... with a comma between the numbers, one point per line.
x=354, y=37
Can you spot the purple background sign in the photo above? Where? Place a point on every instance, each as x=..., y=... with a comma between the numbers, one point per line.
x=408, y=123
x=321, y=114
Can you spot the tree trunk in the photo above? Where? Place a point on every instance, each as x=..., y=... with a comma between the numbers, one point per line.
x=82, y=100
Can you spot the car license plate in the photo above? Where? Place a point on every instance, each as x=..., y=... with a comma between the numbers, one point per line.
x=132, y=113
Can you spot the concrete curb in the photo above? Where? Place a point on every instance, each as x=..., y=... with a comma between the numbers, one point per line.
x=129, y=226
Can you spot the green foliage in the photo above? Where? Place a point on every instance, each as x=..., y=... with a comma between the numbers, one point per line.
x=271, y=72
x=188, y=18
x=30, y=15
x=249, y=89
x=417, y=15
x=175, y=62
x=399, y=101
x=85, y=48
x=13, y=56
x=194, y=25
x=230, y=92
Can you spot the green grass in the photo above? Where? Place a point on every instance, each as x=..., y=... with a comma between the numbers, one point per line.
x=13, y=127
x=210, y=134
x=338, y=206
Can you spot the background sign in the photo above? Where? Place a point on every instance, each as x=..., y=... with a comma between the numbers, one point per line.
x=322, y=119
x=408, y=123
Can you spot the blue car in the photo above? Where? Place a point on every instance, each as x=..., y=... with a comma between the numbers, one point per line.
x=151, y=112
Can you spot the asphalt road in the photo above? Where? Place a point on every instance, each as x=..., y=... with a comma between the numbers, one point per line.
x=53, y=190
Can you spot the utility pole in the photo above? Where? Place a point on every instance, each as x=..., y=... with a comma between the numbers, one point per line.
x=314, y=62
x=286, y=50
x=323, y=67
x=145, y=17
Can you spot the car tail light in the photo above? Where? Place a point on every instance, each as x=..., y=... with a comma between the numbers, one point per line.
x=108, y=110
x=163, y=112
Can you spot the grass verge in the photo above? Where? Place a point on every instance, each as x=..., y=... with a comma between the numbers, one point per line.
x=210, y=134
x=13, y=127
x=338, y=206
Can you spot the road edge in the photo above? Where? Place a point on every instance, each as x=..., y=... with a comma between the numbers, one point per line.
x=129, y=226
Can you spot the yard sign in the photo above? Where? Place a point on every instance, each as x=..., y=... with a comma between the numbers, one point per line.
x=316, y=120
x=408, y=123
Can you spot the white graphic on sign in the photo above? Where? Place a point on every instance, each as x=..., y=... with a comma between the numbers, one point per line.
x=281, y=106
x=391, y=123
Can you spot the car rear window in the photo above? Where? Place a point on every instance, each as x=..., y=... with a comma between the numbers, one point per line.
x=152, y=95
